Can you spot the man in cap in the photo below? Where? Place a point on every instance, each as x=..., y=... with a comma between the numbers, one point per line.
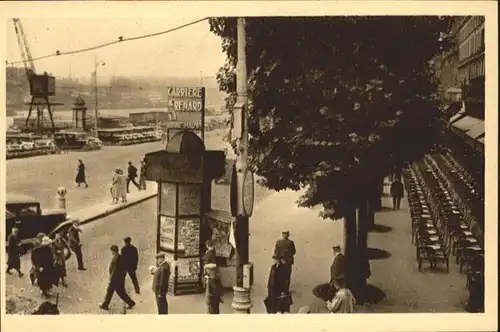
x=130, y=258
x=116, y=283
x=337, y=269
x=131, y=176
x=75, y=243
x=161, y=277
x=213, y=289
x=284, y=251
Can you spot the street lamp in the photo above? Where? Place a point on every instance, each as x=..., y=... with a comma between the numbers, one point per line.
x=97, y=64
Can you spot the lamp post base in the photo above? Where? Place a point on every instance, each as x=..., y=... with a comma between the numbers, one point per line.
x=241, y=300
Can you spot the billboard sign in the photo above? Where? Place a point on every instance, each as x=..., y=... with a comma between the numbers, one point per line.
x=188, y=105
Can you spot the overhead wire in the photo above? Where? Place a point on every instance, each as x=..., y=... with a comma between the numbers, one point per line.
x=121, y=39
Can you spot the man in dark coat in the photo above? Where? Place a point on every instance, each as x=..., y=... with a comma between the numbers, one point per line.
x=160, y=283
x=130, y=258
x=213, y=289
x=75, y=244
x=337, y=269
x=116, y=283
x=131, y=176
x=278, y=299
x=13, y=252
x=397, y=192
x=284, y=251
x=142, y=175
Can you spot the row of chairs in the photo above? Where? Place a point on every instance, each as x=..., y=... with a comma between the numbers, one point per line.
x=430, y=244
x=469, y=253
x=470, y=201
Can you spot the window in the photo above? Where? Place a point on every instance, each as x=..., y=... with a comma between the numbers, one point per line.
x=30, y=210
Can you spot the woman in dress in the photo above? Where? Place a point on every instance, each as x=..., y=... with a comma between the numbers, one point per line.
x=60, y=246
x=115, y=186
x=80, y=175
x=122, y=186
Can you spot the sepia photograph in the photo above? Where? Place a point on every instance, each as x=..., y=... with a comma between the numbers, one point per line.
x=249, y=164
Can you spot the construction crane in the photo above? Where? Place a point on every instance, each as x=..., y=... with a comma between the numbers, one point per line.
x=41, y=86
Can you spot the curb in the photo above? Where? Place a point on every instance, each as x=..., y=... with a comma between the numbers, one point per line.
x=115, y=209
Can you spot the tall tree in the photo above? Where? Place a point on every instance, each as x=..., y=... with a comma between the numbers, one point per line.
x=335, y=104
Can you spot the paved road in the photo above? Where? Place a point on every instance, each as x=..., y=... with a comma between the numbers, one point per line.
x=40, y=176
x=273, y=212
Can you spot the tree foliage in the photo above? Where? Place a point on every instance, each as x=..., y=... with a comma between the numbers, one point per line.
x=336, y=102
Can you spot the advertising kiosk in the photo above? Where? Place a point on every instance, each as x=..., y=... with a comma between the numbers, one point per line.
x=184, y=172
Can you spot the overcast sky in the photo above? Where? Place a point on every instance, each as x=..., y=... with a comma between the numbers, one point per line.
x=182, y=53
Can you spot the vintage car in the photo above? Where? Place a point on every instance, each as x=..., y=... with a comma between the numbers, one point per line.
x=25, y=213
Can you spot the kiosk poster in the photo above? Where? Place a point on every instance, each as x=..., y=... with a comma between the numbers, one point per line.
x=167, y=233
x=189, y=238
x=189, y=199
x=188, y=269
x=220, y=236
x=167, y=199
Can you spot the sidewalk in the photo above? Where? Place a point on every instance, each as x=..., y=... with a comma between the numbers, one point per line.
x=408, y=290
x=313, y=239
x=104, y=209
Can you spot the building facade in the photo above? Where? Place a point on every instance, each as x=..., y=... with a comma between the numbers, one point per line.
x=471, y=49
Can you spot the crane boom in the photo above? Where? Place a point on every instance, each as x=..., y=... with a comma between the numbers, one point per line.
x=29, y=66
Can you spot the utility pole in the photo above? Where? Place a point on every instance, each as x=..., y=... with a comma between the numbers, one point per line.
x=96, y=105
x=241, y=298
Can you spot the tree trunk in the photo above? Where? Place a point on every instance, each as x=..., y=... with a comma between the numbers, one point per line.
x=350, y=250
x=362, y=264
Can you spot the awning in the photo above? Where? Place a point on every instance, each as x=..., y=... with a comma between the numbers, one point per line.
x=476, y=131
x=466, y=123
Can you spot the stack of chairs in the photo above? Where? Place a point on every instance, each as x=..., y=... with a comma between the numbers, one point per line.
x=430, y=245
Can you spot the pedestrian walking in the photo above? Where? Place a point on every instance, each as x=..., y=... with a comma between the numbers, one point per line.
x=34, y=253
x=284, y=252
x=213, y=289
x=130, y=257
x=115, y=189
x=209, y=257
x=43, y=262
x=142, y=175
x=80, y=174
x=116, y=282
x=397, y=192
x=60, y=247
x=75, y=243
x=14, y=252
x=131, y=176
x=161, y=277
x=343, y=302
x=337, y=270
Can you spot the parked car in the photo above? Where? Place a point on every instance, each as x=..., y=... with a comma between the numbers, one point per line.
x=94, y=142
x=28, y=145
x=25, y=213
x=13, y=147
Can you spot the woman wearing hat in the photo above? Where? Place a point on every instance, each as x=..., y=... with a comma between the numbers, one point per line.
x=59, y=247
x=115, y=187
x=43, y=261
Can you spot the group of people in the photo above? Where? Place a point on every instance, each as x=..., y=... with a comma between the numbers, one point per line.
x=339, y=298
x=48, y=257
x=120, y=184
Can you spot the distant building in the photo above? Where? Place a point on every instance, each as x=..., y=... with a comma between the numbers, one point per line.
x=471, y=48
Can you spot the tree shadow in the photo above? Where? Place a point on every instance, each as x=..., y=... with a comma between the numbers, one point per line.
x=369, y=294
x=375, y=254
x=380, y=229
